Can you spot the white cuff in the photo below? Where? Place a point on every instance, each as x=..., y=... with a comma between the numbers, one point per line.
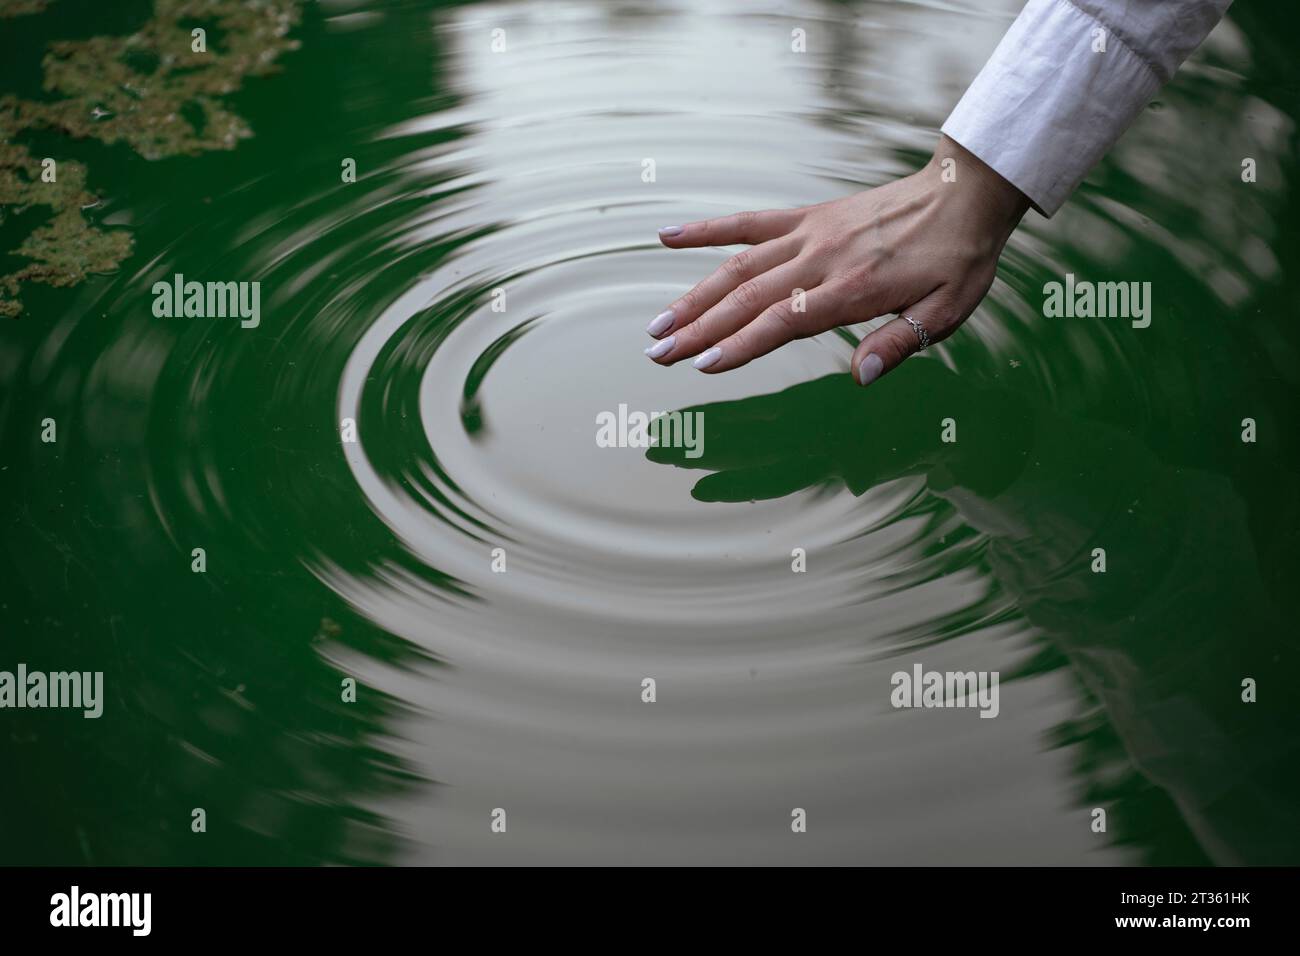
x=1051, y=101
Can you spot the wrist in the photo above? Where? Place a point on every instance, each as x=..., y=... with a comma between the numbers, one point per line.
x=975, y=184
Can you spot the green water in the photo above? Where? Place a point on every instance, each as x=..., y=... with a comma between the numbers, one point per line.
x=521, y=171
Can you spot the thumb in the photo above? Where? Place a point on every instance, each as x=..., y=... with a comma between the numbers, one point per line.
x=885, y=349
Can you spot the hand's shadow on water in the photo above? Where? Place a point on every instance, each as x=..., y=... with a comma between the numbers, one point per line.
x=831, y=430
x=1161, y=640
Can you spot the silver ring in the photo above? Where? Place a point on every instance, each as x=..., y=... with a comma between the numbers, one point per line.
x=920, y=331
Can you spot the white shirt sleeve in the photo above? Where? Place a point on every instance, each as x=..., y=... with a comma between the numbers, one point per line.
x=1066, y=80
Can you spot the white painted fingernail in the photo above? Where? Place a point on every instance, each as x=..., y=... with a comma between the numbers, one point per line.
x=708, y=358
x=662, y=347
x=870, y=369
x=659, y=325
x=670, y=230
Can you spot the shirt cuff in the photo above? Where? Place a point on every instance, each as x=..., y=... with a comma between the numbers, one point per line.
x=1057, y=93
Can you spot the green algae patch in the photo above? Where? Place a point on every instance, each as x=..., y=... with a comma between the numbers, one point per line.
x=66, y=248
x=151, y=89
x=158, y=90
x=18, y=8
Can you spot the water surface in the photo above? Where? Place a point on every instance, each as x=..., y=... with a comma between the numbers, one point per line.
x=520, y=173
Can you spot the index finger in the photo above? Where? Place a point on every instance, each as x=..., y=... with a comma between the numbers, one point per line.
x=749, y=228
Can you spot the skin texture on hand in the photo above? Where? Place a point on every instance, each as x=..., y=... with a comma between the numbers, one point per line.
x=925, y=246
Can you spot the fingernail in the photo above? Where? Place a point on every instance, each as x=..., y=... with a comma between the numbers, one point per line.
x=670, y=230
x=659, y=325
x=662, y=347
x=870, y=369
x=708, y=358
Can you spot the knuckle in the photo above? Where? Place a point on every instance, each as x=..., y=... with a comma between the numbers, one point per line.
x=943, y=324
x=741, y=348
x=902, y=343
x=688, y=303
x=738, y=266
x=857, y=282
x=738, y=345
x=783, y=316
x=822, y=247
x=746, y=295
x=969, y=259
x=687, y=342
x=938, y=322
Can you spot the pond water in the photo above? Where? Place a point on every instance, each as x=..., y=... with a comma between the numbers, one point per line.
x=477, y=298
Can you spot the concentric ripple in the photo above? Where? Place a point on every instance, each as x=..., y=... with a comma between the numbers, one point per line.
x=472, y=304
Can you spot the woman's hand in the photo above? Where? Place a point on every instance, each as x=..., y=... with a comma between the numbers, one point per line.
x=925, y=247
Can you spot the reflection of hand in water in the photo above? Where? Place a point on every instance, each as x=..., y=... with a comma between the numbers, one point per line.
x=821, y=431
x=1162, y=639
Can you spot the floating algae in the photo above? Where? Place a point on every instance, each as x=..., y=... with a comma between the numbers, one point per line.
x=150, y=89
x=66, y=247
x=16, y=8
